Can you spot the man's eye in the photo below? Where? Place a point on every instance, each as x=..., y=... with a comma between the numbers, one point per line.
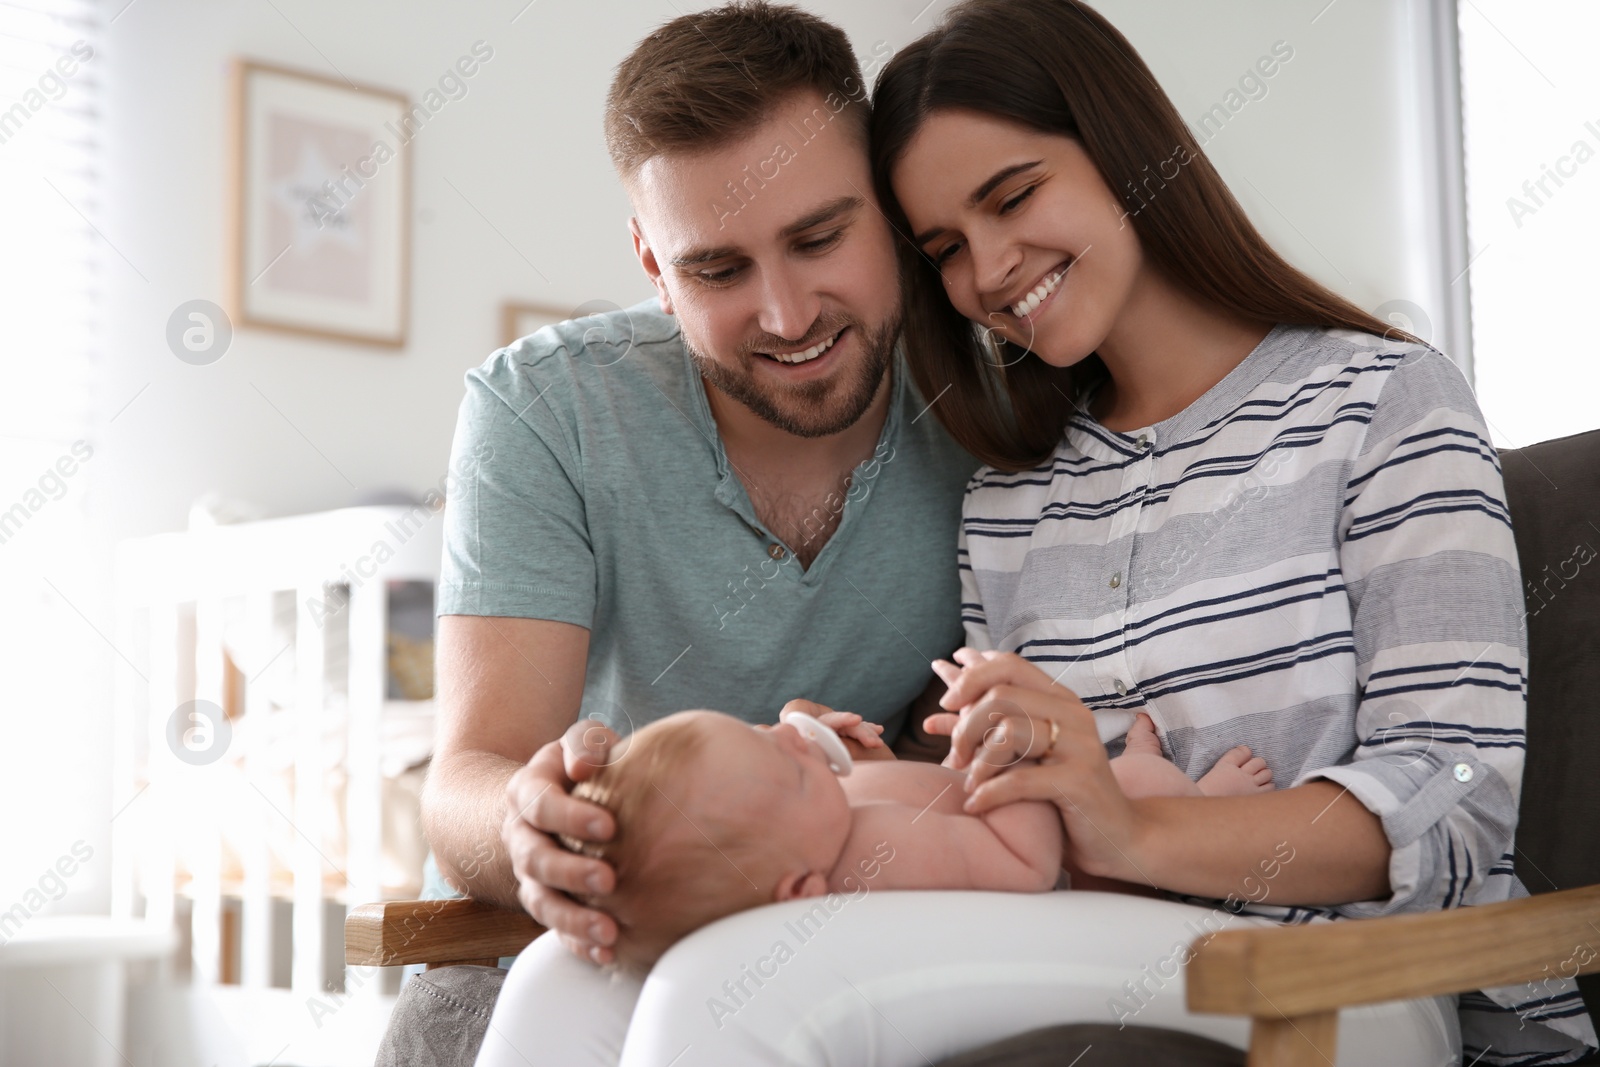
x=823, y=243
x=1014, y=202
x=718, y=277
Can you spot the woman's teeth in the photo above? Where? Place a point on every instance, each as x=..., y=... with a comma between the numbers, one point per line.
x=1024, y=307
x=808, y=355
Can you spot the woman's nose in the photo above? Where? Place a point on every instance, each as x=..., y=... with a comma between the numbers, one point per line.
x=994, y=265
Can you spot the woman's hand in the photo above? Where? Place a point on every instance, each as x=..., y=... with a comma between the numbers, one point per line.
x=861, y=739
x=1020, y=736
x=538, y=807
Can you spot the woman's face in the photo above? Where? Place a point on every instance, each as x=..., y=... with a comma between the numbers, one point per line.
x=1026, y=234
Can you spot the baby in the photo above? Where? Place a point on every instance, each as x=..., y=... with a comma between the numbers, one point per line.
x=715, y=816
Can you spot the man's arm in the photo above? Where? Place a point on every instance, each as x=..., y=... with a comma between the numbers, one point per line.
x=506, y=687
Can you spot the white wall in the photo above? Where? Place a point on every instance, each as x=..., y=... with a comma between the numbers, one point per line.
x=1314, y=161
x=1533, y=115
x=1319, y=162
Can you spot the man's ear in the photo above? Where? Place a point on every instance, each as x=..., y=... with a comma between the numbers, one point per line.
x=798, y=884
x=647, y=260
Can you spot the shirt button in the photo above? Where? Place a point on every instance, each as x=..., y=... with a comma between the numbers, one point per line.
x=1463, y=772
x=1144, y=441
x=1121, y=687
x=1116, y=580
x=775, y=550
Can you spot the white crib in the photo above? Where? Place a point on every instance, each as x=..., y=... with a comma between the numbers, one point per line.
x=198, y=615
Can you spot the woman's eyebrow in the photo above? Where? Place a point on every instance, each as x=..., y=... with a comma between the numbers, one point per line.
x=990, y=184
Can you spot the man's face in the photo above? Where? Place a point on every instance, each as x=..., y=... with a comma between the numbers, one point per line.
x=780, y=268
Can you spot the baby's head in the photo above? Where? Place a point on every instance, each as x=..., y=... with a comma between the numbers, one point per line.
x=713, y=816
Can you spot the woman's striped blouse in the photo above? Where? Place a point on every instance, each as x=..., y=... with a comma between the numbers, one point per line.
x=1314, y=559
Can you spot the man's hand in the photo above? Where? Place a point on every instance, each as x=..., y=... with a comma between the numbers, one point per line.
x=861, y=738
x=538, y=806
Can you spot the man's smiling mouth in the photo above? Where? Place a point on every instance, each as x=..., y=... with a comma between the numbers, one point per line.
x=808, y=354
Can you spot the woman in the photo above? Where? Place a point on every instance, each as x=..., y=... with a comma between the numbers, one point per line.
x=1218, y=493
x=1164, y=405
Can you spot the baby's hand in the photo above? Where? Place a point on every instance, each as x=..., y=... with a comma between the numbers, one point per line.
x=943, y=723
x=861, y=738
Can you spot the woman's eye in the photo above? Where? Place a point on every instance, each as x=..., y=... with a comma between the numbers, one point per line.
x=1016, y=201
x=943, y=255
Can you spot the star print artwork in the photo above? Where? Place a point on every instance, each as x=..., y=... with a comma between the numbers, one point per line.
x=324, y=236
x=322, y=205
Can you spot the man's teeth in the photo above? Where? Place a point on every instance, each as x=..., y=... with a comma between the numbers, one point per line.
x=809, y=354
x=1024, y=307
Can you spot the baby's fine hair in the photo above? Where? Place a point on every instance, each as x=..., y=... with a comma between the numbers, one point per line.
x=665, y=894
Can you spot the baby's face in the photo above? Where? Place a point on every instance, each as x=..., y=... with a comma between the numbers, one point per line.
x=776, y=783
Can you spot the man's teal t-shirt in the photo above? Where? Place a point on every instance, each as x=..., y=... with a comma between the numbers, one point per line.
x=601, y=496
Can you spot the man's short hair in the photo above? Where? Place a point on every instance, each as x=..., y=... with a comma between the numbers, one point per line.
x=706, y=79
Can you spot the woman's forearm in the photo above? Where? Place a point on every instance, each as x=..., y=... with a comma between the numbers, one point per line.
x=1313, y=844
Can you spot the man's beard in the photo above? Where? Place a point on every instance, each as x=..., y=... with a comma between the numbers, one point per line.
x=802, y=408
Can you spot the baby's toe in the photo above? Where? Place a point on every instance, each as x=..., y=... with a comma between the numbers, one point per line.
x=1236, y=756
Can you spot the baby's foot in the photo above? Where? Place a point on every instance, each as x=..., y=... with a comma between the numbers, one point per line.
x=1142, y=737
x=1142, y=771
x=1236, y=773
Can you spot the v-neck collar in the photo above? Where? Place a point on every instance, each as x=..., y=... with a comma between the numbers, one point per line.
x=731, y=491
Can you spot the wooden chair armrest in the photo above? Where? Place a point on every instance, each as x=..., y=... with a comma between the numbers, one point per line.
x=435, y=932
x=1286, y=972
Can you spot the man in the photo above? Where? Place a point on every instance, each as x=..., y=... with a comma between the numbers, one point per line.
x=730, y=502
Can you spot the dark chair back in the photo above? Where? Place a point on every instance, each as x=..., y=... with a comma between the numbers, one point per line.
x=1554, y=492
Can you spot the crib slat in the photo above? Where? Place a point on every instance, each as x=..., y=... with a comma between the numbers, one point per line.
x=157, y=862
x=310, y=657
x=205, y=885
x=368, y=620
x=126, y=720
x=256, y=937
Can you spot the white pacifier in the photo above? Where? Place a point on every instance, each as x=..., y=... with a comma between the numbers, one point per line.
x=821, y=737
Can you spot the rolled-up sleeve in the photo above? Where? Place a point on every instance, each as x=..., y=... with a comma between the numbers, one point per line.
x=1437, y=617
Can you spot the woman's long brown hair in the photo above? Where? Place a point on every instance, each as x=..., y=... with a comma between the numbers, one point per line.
x=1059, y=67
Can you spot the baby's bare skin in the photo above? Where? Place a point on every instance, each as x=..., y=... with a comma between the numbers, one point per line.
x=1143, y=771
x=914, y=812
x=909, y=830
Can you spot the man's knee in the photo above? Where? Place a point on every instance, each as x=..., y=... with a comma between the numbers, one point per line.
x=440, y=1017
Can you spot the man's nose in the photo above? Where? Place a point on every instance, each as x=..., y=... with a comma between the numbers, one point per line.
x=788, y=309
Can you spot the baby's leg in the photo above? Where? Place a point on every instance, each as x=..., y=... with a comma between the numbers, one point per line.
x=1142, y=771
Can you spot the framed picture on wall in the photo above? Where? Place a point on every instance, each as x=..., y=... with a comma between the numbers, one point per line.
x=519, y=320
x=321, y=205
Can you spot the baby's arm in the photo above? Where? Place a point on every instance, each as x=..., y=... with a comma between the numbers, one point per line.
x=1016, y=847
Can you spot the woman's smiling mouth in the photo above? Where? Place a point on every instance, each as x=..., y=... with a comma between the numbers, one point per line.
x=1025, y=309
